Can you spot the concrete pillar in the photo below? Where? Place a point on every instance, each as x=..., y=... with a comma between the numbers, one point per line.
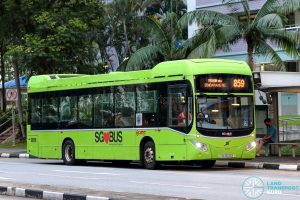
x=275, y=118
x=297, y=18
x=279, y=104
x=298, y=104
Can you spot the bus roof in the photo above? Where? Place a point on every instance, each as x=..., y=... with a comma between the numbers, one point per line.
x=165, y=70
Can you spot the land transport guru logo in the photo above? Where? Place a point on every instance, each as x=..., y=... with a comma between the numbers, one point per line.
x=254, y=187
x=109, y=137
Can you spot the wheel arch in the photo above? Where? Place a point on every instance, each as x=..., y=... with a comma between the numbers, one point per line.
x=62, y=145
x=142, y=144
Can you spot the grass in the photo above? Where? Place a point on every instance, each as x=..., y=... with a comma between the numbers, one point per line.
x=287, y=150
x=291, y=122
x=20, y=145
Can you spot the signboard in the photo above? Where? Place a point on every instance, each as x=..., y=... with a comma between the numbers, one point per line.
x=11, y=94
x=223, y=83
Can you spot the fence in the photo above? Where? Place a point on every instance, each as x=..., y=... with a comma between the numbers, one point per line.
x=289, y=129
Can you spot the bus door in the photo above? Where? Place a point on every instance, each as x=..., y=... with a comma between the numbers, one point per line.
x=179, y=107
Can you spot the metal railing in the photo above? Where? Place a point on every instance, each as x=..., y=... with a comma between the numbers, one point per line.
x=289, y=130
x=7, y=123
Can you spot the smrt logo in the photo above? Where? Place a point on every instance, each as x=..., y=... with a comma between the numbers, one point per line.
x=108, y=136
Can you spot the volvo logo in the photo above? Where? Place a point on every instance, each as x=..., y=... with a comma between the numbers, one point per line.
x=227, y=143
x=227, y=133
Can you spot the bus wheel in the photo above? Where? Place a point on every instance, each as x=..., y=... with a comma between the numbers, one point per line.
x=207, y=163
x=149, y=155
x=69, y=152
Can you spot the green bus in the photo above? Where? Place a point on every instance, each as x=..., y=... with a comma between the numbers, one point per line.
x=198, y=111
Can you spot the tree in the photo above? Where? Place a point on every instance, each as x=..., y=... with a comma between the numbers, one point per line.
x=164, y=43
x=262, y=34
x=164, y=39
x=51, y=36
x=62, y=39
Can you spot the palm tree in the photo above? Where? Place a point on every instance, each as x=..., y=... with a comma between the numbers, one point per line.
x=262, y=34
x=164, y=43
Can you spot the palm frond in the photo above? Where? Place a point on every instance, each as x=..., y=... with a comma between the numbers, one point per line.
x=244, y=3
x=263, y=48
x=139, y=58
x=152, y=26
x=207, y=17
x=228, y=35
x=292, y=36
x=271, y=6
x=207, y=48
x=149, y=3
x=289, y=6
x=272, y=20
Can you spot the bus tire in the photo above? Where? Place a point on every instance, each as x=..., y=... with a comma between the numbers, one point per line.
x=148, y=156
x=207, y=164
x=68, y=152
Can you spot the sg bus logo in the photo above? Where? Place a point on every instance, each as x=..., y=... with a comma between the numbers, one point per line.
x=108, y=136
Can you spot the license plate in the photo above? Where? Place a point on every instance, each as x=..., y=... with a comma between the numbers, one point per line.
x=227, y=155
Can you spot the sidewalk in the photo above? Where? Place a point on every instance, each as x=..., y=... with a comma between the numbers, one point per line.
x=12, y=150
x=262, y=162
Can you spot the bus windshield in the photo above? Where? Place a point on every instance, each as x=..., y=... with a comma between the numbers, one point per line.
x=225, y=112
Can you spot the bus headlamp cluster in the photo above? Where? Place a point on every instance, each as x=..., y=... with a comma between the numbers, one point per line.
x=251, y=145
x=199, y=145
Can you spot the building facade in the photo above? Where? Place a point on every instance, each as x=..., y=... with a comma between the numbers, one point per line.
x=288, y=102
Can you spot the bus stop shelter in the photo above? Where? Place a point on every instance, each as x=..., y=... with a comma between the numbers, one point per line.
x=273, y=82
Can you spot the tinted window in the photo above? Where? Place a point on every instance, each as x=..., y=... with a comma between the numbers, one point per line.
x=125, y=106
x=50, y=112
x=147, y=105
x=85, y=108
x=104, y=108
x=68, y=112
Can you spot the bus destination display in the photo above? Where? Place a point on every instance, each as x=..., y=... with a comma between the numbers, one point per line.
x=223, y=83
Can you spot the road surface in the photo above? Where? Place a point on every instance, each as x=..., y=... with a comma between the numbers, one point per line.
x=132, y=181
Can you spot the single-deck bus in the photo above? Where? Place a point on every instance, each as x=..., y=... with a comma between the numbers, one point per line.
x=198, y=110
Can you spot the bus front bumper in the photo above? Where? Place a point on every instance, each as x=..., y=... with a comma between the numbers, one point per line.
x=204, y=151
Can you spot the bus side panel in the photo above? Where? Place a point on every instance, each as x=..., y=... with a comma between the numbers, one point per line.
x=170, y=145
x=49, y=145
x=106, y=145
x=32, y=143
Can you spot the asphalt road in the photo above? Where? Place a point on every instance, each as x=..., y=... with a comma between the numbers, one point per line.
x=134, y=182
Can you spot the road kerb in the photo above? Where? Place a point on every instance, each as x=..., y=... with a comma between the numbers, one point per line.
x=47, y=195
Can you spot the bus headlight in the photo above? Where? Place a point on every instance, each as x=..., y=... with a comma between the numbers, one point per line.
x=199, y=145
x=250, y=145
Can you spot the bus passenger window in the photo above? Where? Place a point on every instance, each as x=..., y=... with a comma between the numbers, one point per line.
x=125, y=106
x=85, y=111
x=177, y=112
x=50, y=112
x=68, y=112
x=104, y=108
x=36, y=113
x=147, y=104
